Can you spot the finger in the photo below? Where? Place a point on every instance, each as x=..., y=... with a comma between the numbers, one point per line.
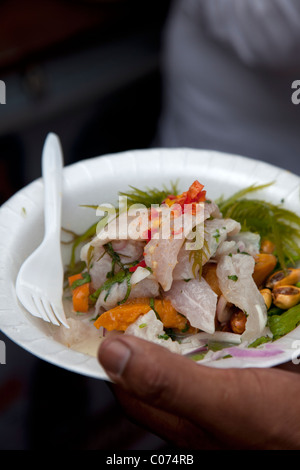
x=174, y=429
x=165, y=380
x=237, y=406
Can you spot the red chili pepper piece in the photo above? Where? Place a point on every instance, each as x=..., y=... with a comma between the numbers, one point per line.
x=141, y=264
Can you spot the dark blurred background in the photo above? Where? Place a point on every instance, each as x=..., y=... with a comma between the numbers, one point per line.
x=89, y=71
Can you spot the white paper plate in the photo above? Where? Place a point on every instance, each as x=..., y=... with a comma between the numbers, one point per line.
x=98, y=180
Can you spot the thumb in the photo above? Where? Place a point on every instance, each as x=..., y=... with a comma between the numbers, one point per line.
x=165, y=380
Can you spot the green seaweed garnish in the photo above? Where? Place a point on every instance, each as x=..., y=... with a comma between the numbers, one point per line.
x=282, y=324
x=76, y=241
x=149, y=196
x=260, y=341
x=270, y=221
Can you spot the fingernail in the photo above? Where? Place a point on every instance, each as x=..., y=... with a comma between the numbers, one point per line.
x=114, y=356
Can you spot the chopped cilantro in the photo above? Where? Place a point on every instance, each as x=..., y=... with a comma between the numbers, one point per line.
x=233, y=278
x=79, y=282
x=217, y=235
x=107, y=285
x=186, y=328
x=153, y=308
x=259, y=341
x=165, y=336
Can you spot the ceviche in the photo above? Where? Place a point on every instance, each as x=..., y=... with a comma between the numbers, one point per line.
x=186, y=272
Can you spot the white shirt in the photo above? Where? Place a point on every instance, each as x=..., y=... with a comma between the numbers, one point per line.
x=228, y=68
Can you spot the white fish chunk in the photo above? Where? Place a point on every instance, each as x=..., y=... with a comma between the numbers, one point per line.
x=184, y=266
x=211, y=209
x=110, y=298
x=148, y=327
x=197, y=301
x=144, y=288
x=162, y=254
x=128, y=250
x=238, y=287
x=248, y=242
x=243, y=242
x=223, y=309
x=101, y=264
x=226, y=248
x=217, y=231
x=139, y=274
x=123, y=227
x=161, y=257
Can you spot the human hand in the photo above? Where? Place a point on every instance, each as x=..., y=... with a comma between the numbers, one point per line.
x=198, y=407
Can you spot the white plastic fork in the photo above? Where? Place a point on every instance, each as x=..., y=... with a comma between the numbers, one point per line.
x=39, y=284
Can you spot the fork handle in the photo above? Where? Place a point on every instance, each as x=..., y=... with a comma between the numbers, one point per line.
x=52, y=165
